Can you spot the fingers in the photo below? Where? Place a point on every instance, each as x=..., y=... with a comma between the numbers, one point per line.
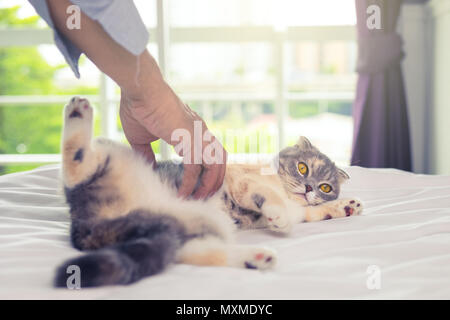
x=208, y=182
x=212, y=179
x=214, y=168
x=138, y=137
x=222, y=162
x=134, y=131
x=220, y=177
x=136, y=123
x=190, y=177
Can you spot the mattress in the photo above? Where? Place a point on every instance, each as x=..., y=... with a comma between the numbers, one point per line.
x=398, y=249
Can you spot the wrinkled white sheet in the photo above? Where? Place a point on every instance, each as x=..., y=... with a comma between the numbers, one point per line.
x=405, y=231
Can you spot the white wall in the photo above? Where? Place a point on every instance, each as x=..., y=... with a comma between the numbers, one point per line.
x=412, y=26
x=440, y=92
x=425, y=27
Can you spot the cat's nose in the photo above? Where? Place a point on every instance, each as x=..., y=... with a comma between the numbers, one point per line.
x=308, y=188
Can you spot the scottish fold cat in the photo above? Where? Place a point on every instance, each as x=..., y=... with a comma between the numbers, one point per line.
x=127, y=217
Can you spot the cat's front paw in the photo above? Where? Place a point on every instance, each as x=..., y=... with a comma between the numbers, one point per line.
x=340, y=208
x=353, y=207
x=277, y=219
x=345, y=208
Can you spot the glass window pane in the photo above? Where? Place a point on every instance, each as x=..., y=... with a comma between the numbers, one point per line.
x=200, y=13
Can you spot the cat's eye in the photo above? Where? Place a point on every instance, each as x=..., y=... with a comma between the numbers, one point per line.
x=302, y=168
x=325, y=187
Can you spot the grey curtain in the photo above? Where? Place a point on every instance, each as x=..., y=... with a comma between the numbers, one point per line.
x=381, y=130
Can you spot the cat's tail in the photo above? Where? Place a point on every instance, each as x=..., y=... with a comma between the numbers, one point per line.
x=121, y=263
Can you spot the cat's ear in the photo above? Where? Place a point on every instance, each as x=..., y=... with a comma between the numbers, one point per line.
x=303, y=143
x=342, y=176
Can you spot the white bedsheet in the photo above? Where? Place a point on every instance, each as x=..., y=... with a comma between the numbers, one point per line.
x=405, y=231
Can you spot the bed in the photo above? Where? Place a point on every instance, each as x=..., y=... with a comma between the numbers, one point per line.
x=398, y=249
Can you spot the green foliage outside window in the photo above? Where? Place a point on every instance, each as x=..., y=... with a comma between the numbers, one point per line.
x=23, y=71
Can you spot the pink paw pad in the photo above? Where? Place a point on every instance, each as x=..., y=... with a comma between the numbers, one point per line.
x=348, y=211
x=259, y=256
x=75, y=114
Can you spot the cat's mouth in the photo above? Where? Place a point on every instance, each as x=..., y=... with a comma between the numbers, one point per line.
x=301, y=195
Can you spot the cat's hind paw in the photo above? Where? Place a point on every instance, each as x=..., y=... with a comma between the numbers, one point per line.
x=78, y=109
x=256, y=258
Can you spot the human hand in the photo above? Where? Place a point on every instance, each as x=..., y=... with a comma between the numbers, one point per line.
x=154, y=111
x=149, y=109
x=137, y=135
x=198, y=162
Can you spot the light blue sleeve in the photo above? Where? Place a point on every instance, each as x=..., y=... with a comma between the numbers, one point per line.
x=119, y=18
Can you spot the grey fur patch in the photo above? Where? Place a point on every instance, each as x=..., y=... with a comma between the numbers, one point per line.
x=258, y=200
x=172, y=173
x=128, y=248
x=253, y=215
x=244, y=218
x=79, y=155
x=87, y=196
x=92, y=234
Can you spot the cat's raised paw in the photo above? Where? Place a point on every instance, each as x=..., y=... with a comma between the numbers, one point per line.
x=78, y=108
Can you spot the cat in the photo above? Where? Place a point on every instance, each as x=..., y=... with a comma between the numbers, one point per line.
x=127, y=216
x=129, y=220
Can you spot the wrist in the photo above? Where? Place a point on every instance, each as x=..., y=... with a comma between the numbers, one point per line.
x=144, y=79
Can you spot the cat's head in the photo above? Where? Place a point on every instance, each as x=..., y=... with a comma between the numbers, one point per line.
x=307, y=173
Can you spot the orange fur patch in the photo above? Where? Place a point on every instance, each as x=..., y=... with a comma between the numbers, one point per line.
x=70, y=147
x=211, y=258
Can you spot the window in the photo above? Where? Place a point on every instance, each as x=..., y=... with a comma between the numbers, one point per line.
x=263, y=71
